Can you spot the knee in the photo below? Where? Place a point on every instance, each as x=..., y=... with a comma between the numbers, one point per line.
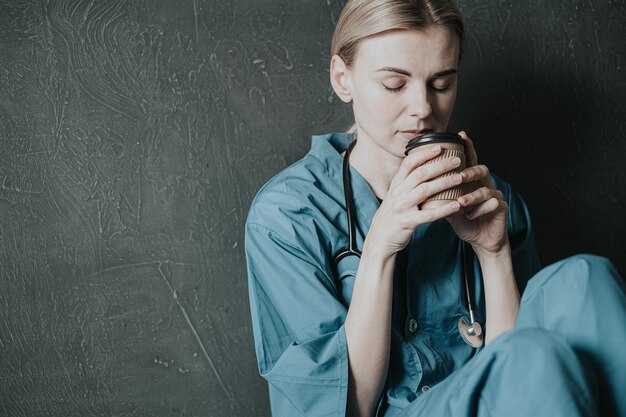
x=576, y=271
x=532, y=362
x=586, y=267
x=536, y=351
x=586, y=262
x=533, y=342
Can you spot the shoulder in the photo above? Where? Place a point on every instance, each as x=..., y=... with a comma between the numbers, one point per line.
x=297, y=206
x=287, y=191
x=307, y=183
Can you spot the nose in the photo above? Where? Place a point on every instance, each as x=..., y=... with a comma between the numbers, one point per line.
x=419, y=105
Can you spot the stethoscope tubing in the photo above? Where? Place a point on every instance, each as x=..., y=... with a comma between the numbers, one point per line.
x=473, y=332
x=347, y=191
x=467, y=291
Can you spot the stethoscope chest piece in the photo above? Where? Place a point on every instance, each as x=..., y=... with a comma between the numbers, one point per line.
x=472, y=333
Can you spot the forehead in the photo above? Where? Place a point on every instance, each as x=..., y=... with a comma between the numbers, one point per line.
x=414, y=50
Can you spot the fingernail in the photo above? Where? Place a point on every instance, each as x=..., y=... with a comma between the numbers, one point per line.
x=456, y=160
x=435, y=149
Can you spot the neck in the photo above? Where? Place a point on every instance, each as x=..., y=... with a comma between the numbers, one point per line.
x=377, y=166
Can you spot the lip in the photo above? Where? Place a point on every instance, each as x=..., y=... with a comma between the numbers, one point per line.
x=411, y=134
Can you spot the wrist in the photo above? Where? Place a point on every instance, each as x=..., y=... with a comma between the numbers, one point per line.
x=497, y=266
x=376, y=251
x=376, y=265
x=503, y=252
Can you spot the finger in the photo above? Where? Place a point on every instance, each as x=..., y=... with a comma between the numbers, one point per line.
x=428, y=188
x=429, y=171
x=414, y=159
x=480, y=195
x=478, y=173
x=436, y=213
x=475, y=173
x=472, y=158
x=489, y=206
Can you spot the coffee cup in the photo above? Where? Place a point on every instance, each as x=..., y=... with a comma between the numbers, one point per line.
x=451, y=145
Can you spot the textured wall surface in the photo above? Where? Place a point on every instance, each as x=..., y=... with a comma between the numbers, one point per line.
x=134, y=134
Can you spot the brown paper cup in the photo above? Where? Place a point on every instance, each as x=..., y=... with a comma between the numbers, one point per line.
x=449, y=150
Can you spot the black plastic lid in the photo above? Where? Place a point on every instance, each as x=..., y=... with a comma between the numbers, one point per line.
x=436, y=137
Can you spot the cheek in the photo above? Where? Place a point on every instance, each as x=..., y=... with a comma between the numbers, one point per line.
x=377, y=104
x=445, y=105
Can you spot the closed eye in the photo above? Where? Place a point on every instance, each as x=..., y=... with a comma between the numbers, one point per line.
x=440, y=87
x=394, y=89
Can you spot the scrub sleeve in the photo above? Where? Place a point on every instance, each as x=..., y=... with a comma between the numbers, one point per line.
x=298, y=326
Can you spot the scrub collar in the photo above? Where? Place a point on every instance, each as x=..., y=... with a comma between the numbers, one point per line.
x=327, y=149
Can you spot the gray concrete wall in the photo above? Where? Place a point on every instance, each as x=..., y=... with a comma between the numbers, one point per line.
x=134, y=135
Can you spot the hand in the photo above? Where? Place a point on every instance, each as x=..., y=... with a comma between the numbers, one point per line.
x=398, y=216
x=482, y=222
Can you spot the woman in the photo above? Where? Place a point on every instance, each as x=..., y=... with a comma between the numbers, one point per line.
x=378, y=335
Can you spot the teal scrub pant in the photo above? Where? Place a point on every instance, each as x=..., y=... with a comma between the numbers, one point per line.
x=565, y=357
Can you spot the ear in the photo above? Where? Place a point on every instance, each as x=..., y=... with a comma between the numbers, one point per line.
x=340, y=79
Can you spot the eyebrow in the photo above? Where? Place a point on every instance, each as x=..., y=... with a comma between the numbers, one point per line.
x=404, y=72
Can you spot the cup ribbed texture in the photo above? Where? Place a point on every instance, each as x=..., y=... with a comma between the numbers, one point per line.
x=454, y=192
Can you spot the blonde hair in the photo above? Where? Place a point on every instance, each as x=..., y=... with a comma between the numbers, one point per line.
x=362, y=18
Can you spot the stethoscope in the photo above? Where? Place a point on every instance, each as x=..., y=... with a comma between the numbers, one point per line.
x=470, y=330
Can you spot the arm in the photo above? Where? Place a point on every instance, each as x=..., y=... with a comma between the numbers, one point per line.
x=298, y=325
x=501, y=292
x=368, y=323
x=368, y=329
x=489, y=214
x=505, y=274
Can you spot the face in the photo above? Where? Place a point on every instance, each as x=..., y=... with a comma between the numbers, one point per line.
x=400, y=82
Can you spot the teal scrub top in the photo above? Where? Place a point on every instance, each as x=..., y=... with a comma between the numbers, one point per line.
x=296, y=225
